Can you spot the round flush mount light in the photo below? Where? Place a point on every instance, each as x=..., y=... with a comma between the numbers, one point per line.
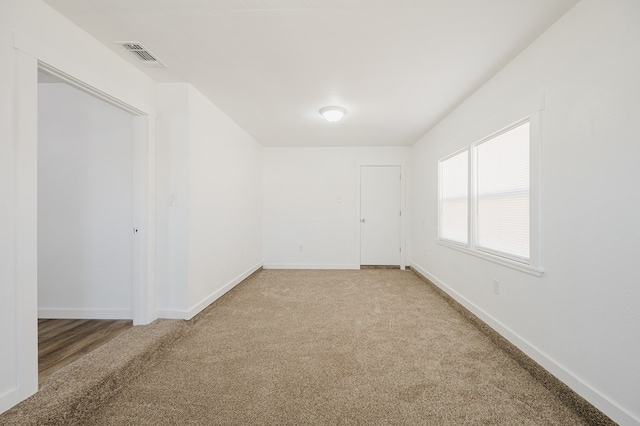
x=333, y=113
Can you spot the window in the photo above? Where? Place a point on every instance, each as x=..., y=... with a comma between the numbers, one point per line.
x=502, y=206
x=486, y=198
x=454, y=204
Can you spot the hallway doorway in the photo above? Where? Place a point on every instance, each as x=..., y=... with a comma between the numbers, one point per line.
x=85, y=205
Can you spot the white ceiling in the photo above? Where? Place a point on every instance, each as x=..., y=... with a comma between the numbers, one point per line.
x=398, y=66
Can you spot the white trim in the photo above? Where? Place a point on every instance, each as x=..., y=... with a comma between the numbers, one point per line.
x=173, y=314
x=503, y=130
x=310, y=266
x=80, y=78
x=598, y=400
x=358, y=214
x=198, y=307
x=404, y=247
x=535, y=189
x=14, y=396
x=26, y=237
x=90, y=90
x=143, y=219
x=522, y=267
x=70, y=313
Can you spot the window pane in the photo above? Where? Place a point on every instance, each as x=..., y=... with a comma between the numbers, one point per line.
x=503, y=192
x=454, y=178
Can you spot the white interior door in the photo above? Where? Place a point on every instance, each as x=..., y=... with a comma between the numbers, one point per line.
x=380, y=210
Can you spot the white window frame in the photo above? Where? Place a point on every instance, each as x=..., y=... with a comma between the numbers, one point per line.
x=532, y=265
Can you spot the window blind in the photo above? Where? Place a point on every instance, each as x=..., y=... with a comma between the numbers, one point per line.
x=502, y=179
x=454, y=201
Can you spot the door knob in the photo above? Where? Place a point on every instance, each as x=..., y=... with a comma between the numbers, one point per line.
x=362, y=220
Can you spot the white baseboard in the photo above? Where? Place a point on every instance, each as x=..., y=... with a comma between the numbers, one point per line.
x=309, y=266
x=172, y=314
x=195, y=309
x=598, y=400
x=16, y=395
x=198, y=307
x=69, y=313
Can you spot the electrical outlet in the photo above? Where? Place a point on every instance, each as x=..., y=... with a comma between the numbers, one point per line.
x=496, y=286
x=300, y=249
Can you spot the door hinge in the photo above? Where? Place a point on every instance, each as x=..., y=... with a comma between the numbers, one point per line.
x=400, y=212
x=400, y=249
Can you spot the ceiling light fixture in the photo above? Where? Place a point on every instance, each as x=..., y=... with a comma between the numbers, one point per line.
x=333, y=113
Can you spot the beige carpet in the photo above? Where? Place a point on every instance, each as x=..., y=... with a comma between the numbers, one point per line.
x=369, y=347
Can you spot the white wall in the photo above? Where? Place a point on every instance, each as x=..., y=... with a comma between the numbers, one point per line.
x=580, y=320
x=30, y=31
x=214, y=234
x=85, y=210
x=225, y=203
x=173, y=182
x=227, y=208
x=311, y=200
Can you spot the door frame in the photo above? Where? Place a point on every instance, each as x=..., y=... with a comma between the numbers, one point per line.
x=138, y=178
x=29, y=58
x=403, y=208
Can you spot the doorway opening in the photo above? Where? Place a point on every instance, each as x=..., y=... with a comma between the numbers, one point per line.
x=85, y=222
x=63, y=341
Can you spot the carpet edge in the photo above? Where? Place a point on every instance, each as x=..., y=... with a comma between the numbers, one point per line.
x=568, y=396
x=69, y=395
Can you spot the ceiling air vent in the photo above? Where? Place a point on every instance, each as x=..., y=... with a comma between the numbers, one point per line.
x=142, y=53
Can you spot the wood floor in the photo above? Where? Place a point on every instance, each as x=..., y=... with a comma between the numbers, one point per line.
x=62, y=341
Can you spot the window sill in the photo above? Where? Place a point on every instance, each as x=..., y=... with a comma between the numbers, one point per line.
x=527, y=269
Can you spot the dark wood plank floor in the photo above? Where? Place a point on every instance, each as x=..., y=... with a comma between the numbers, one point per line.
x=62, y=341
